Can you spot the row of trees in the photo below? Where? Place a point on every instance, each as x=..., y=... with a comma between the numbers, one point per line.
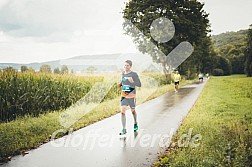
x=47, y=69
x=63, y=70
x=191, y=24
x=248, y=54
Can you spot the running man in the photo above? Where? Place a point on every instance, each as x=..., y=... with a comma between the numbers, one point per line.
x=177, y=78
x=200, y=77
x=207, y=75
x=128, y=85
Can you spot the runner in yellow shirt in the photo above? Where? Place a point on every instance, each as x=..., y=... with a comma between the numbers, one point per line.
x=177, y=78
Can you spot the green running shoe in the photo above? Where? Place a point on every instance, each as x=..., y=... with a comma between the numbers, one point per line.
x=135, y=127
x=123, y=132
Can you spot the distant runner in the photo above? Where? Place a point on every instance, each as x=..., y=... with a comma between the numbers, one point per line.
x=200, y=77
x=207, y=75
x=129, y=81
x=177, y=78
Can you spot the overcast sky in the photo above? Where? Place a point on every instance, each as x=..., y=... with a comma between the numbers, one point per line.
x=45, y=30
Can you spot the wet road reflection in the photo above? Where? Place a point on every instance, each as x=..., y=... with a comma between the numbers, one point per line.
x=100, y=145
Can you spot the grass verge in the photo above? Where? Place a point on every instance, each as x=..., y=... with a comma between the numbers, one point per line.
x=222, y=116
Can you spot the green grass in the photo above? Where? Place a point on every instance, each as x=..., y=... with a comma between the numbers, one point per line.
x=222, y=115
x=29, y=132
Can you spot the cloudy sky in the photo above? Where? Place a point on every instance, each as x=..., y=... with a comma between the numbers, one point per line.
x=44, y=30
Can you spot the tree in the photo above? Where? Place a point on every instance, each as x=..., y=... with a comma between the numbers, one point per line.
x=203, y=59
x=56, y=70
x=248, y=53
x=64, y=69
x=24, y=68
x=31, y=70
x=190, y=21
x=45, y=68
x=10, y=69
x=91, y=69
x=237, y=64
x=224, y=64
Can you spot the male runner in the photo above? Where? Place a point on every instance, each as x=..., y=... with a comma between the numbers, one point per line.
x=207, y=75
x=200, y=77
x=177, y=78
x=128, y=84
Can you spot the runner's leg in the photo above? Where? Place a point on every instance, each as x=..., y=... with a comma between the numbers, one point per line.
x=123, y=117
x=133, y=110
x=132, y=103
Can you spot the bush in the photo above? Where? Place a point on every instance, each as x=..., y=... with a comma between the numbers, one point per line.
x=218, y=72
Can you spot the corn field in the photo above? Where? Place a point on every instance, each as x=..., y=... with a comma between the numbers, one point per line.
x=35, y=93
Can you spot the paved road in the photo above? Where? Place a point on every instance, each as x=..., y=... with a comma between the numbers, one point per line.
x=100, y=145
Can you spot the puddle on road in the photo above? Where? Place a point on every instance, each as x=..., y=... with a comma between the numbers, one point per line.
x=173, y=98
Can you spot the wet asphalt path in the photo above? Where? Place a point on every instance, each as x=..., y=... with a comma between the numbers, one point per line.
x=99, y=144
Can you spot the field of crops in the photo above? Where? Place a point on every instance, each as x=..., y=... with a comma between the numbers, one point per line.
x=35, y=93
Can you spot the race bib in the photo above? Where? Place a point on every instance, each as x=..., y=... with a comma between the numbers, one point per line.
x=126, y=88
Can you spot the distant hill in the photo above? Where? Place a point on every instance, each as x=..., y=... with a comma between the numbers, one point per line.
x=230, y=44
x=101, y=63
x=35, y=66
x=77, y=63
x=229, y=38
